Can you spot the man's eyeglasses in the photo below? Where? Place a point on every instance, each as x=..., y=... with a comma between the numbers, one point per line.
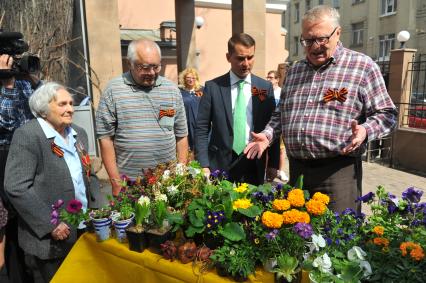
x=270, y=78
x=147, y=67
x=319, y=40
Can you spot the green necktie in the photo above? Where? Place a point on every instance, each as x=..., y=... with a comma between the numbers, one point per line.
x=240, y=119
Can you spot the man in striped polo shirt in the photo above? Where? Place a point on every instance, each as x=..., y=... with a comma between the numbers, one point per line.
x=140, y=121
x=332, y=103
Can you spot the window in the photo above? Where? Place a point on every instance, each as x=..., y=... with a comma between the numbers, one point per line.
x=320, y=2
x=357, y=1
x=308, y=5
x=296, y=46
x=386, y=43
x=336, y=3
x=296, y=12
x=357, y=34
x=388, y=7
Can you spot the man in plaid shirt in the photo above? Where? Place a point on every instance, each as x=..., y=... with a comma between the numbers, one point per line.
x=14, y=112
x=332, y=103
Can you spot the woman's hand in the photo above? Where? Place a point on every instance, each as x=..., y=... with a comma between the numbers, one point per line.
x=61, y=232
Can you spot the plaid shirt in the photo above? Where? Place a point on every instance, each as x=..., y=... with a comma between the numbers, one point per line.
x=313, y=128
x=14, y=109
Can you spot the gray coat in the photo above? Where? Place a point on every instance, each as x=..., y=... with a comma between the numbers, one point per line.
x=35, y=178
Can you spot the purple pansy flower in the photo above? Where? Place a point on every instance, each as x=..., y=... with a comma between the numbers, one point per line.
x=366, y=198
x=271, y=235
x=412, y=194
x=304, y=230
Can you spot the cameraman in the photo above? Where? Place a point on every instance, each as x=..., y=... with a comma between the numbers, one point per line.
x=14, y=112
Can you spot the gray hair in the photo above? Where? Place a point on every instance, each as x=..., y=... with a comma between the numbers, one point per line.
x=40, y=99
x=321, y=11
x=145, y=43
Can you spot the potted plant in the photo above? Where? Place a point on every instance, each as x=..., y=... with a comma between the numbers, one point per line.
x=136, y=234
x=221, y=259
x=160, y=230
x=122, y=220
x=101, y=220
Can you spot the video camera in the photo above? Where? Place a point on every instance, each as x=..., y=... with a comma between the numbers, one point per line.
x=11, y=43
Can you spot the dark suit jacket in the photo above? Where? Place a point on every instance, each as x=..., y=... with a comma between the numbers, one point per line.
x=191, y=102
x=215, y=115
x=35, y=178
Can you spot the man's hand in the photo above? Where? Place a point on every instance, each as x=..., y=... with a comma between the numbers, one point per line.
x=6, y=63
x=258, y=145
x=61, y=232
x=359, y=134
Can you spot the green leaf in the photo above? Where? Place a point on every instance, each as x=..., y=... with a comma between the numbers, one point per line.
x=233, y=232
x=299, y=182
x=191, y=231
x=252, y=211
x=228, y=209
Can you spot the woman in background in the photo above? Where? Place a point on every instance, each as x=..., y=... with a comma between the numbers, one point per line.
x=191, y=90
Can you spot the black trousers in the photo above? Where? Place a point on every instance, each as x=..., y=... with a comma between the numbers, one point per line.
x=14, y=255
x=243, y=170
x=339, y=177
x=48, y=267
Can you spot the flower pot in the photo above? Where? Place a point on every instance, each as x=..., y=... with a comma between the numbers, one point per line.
x=221, y=270
x=120, y=227
x=137, y=241
x=269, y=264
x=102, y=228
x=156, y=238
x=239, y=278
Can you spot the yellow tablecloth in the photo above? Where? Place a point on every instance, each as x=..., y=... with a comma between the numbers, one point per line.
x=111, y=261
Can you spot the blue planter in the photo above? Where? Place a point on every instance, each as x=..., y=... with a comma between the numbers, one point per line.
x=102, y=228
x=120, y=227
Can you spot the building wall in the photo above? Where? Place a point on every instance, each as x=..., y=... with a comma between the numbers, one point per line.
x=211, y=39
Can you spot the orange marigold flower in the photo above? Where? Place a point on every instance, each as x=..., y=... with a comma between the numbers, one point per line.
x=325, y=199
x=379, y=230
x=280, y=204
x=272, y=219
x=381, y=242
x=296, y=197
x=303, y=217
x=416, y=251
x=315, y=207
x=294, y=216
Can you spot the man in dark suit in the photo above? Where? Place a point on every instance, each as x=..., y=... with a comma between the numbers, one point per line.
x=233, y=106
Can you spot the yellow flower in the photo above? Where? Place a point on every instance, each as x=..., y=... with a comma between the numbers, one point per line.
x=242, y=203
x=242, y=188
x=256, y=241
x=296, y=198
x=316, y=207
x=272, y=219
x=325, y=199
x=379, y=230
x=280, y=204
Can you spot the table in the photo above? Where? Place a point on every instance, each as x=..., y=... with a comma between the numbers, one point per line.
x=111, y=261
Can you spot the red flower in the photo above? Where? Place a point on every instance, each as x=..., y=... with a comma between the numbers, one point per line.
x=74, y=206
x=152, y=180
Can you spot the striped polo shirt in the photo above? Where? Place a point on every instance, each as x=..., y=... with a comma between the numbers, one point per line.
x=131, y=115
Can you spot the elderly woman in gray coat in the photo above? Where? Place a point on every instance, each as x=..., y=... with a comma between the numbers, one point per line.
x=43, y=166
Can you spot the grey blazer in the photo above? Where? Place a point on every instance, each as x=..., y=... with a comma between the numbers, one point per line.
x=35, y=178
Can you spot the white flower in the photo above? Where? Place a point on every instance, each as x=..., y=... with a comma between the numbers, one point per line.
x=193, y=171
x=323, y=263
x=318, y=241
x=172, y=190
x=356, y=254
x=366, y=267
x=162, y=197
x=180, y=169
x=166, y=174
x=144, y=200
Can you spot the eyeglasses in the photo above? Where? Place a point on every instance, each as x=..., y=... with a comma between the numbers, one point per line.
x=270, y=78
x=147, y=67
x=319, y=40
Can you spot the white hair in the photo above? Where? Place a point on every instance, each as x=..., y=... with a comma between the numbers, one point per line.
x=321, y=11
x=131, y=51
x=40, y=99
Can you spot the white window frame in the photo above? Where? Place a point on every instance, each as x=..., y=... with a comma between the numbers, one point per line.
x=388, y=7
x=296, y=46
x=386, y=44
x=357, y=34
